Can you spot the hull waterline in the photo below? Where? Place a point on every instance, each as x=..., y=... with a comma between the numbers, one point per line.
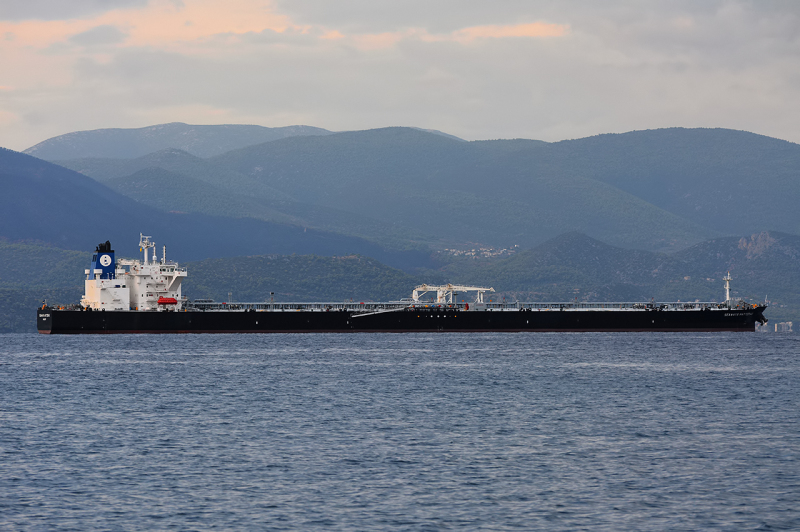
x=55, y=321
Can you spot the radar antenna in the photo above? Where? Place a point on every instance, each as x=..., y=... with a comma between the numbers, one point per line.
x=145, y=244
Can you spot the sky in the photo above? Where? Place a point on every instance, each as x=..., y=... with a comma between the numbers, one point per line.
x=548, y=70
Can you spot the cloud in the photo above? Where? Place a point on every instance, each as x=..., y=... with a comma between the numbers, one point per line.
x=509, y=68
x=105, y=34
x=387, y=16
x=531, y=30
x=377, y=41
x=15, y=10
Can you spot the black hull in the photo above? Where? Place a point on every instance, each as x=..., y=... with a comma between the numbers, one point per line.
x=54, y=321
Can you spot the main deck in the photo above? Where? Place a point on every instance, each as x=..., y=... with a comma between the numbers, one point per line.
x=364, y=307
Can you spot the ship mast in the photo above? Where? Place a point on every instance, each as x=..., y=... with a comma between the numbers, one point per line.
x=145, y=244
x=727, y=280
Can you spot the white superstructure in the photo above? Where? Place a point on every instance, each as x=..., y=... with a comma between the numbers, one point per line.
x=148, y=285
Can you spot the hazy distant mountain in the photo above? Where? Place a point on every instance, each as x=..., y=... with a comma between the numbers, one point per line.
x=729, y=181
x=657, y=190
x=169, y=191
x=174, y=180
x=403, y=183
x=437, y=132
x=202, y=141
x=583, y=207
x=457, y=191
x=660, y=189
x=176, y=162
x=45, y=202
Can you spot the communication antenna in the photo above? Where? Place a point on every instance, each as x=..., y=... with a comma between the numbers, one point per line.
x=145, y=244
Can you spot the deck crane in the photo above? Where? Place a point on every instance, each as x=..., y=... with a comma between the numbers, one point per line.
x=445, y=293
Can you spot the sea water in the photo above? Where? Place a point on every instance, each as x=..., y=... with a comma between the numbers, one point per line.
x=400, y=431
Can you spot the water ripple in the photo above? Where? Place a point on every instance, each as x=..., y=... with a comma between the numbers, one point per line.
x=377, y=431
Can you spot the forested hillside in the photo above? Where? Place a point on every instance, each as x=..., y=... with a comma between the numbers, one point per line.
x=298, y=278
x=31, y=273
x=763, y=265
x=656, y=190
x=729, y=181
x=658, y=214
x=48, y=203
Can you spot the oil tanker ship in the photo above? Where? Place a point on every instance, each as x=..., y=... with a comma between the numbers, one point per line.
x=144, y=296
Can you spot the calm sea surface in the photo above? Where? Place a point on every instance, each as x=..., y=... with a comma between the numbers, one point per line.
x=400, y=431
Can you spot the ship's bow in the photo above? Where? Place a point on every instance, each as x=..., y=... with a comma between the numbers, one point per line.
x=759, y=315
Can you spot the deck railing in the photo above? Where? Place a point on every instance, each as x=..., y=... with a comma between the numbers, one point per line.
x=206, y=305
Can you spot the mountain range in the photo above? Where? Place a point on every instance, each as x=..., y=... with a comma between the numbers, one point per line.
x=366, y=214
x=403, y=187
x=48, y=203
x=203, y=141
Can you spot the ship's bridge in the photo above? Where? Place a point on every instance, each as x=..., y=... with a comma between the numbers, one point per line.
x=126, y=284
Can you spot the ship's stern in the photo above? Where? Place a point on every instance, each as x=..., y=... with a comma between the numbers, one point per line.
x=44, y=320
